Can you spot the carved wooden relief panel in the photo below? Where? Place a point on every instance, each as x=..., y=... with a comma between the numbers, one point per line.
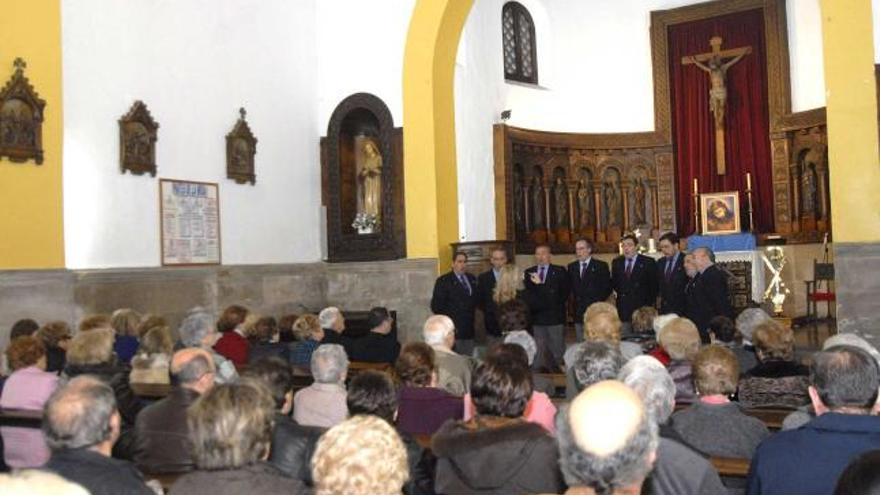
x=138, y=133
x=241, y=149
x=21, y=118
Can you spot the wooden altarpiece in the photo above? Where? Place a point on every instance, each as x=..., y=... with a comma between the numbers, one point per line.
x=21, y=118
x=362, y=176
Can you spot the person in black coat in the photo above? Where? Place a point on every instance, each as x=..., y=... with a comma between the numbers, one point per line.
x=708, y=294
x=380, y=345
x=486, y=289
x=546, y=292
x=590, y=282
x=671, y=276
x=455, y=295
x=633, y=278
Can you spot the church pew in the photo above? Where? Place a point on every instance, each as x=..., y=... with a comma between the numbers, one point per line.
x=151, y=390
x=772, y=417
x=354, y=367
x=23, y=418
x=727, y=466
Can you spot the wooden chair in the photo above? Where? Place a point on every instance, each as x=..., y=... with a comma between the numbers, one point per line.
x=822, y=272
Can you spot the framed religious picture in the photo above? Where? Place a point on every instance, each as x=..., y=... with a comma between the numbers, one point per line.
x=720, y=213
x=189, y=214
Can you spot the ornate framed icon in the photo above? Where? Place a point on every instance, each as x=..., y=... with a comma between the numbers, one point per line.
x=719, y=213
x=138, y=133
x=21, y=118
x=241, y=148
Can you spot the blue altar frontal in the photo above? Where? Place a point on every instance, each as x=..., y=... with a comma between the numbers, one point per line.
x=721, y=243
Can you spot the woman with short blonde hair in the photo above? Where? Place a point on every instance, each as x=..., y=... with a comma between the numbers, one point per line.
x=681, y=340
x=309, y=333
x=151, y=363
x=363, y=455
x=604, y=326
x=777, y=380
x=92, y=347
x=125, y=323
x=599, y=307
x=510, y=283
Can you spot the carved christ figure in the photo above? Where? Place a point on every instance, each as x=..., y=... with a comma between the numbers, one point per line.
x=370, y=180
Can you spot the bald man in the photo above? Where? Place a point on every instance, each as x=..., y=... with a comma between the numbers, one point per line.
x=607, y=441
x=161, y=432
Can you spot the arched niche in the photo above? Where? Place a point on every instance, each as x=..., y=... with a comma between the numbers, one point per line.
x=362, y=182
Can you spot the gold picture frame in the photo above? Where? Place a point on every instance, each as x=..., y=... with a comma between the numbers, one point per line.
x=719, y=213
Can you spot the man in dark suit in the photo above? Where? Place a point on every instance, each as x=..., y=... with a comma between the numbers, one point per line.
x=455, y=295
x=633, y=278
x=546, y=292
x=590, y=282
x=671, y=276
x=486, y=288
x=708, y=295
x=380, y=344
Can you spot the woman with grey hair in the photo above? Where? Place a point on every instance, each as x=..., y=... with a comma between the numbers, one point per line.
x=746, y=323
x=323, y=402
x=199, y=330
x=527, y=342
x=230, y=428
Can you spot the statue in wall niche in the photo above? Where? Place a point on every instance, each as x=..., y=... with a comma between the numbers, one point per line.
x=808, y=189
x=585, y=203
x=639, y=206
x=369, y=183
x=518, y=207
x=611, y=196
x=560, y=192
x=537, y=204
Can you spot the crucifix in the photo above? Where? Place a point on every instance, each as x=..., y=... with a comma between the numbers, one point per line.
x=716, y=63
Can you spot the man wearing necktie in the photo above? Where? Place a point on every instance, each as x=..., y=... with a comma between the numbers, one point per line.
x=708, y=296
x=546, y=292
x=590, y=282
x=455, y=295
x=485, y=288
x=671, y=276
x=633, y=278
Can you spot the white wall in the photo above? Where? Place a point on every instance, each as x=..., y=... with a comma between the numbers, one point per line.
x=194, y=63
x=595, y=75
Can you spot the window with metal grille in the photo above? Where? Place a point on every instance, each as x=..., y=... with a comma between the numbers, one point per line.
x=518, y=44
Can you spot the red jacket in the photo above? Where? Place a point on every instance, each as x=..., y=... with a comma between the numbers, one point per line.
x=233, y=347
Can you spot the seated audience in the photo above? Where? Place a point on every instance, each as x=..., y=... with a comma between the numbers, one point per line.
x=497, y=451
x=746, y=323
x=372, y=392
x=453, y=369
x=23, y=328
x=806, y=461
x=861, y=476
x=95, y=322
x=527, y=342
x=323, y=402
x=292, y=444
x=678, y=469
x=231, y=432
x=56, y=337
x=81, y=425
x=38, y=482
x=681, y=341
x=91, y=353
x=198, y=331
x=607, y=441
x=28, y=387
x=777, y=380
x=150, y=321
x=360, y=456
x=150, y=364
x=423, y=407
x=265, y=340
x=285, y=328
x=233, y=344
x=592, y=311
x=713, y=424
x=659, y=324
x=642, y=325
x=125, y=325
x=380, y=344
x=309, y=333
x=594, y=362
x=540, y=408
x=161, y=430
x=333, y=323
x=513, y=316
x=605, y=327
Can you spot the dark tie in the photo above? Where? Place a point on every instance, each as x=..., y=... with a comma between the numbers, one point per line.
x=629, y=267
x=541, y=274
x=670, y=262
x=464, y=281
x=583, y=268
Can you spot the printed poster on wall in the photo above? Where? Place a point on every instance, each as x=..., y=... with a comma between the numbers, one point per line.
x=190, y=222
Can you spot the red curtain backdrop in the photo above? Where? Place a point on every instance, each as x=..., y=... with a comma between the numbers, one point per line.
x=747, y=143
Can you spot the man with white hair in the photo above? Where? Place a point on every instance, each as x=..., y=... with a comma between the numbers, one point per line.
x=708, y=296
x=453, y=370
x=198, y=330
x=323, y=402
x=333, y=323
x=678, y=469
x=607, y=441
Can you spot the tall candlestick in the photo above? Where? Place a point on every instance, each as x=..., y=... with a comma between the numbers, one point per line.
x=696, y=187
x=748, y=181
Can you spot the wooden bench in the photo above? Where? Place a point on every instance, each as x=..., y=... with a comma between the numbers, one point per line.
x=151, y=390
x=165, y=479
x=727, y=466
x=557, y=379
x=22, y=418
x=355, y=367
x=772, y=417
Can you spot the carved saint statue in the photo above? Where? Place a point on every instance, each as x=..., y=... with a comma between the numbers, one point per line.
x=537, y=204
x=808, y=190
x=611, y=195
x=518, y=206
x=639, y=209
x=585, y=203
x=560, y=191
x=370, y=180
